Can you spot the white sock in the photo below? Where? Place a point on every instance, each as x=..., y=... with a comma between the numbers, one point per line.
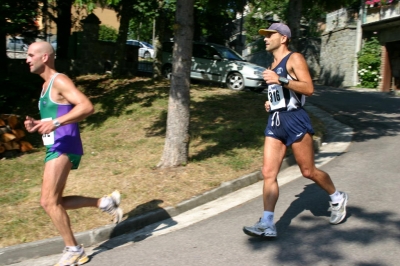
x=336, y=197
x=105, y=201
x=74, y=248
x=268, y=217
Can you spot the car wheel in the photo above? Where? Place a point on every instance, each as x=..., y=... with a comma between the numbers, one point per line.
x=235, y=81
x=146, y=55
x=167, y=71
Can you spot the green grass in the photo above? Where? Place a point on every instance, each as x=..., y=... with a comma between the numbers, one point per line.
x=123, y=142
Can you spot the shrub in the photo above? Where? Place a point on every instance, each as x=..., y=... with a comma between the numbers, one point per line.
x=369, y=62
x=107, y=33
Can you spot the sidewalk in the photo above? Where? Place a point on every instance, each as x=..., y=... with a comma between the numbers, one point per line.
x=337, y=140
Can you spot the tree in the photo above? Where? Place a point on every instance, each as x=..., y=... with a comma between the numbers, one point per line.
x=16, y=18
x=177, y=139
x=61, y=15
x=221, y=14
x=163, y=10
x=124, y=11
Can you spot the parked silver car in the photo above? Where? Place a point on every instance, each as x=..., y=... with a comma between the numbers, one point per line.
x=213, y=62
x=146, y=50
x=17, y=44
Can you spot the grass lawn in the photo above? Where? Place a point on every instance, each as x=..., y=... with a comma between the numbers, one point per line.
x=123, y=142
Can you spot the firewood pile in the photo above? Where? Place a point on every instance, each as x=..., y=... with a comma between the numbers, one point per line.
x=12, y=133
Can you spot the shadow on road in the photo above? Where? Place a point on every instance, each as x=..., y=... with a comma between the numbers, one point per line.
x=371, y=114
x=313, y=240
x=122, y=233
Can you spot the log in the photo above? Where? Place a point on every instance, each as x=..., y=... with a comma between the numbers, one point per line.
x=12, y=121
x=19, y=133
x=11, y=134
x=12, y=145
x=8, y=137
x=5, y=129
x=25, y=146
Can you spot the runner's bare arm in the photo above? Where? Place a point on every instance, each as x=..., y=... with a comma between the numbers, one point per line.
x=68, y=93
x=297, y=68
x=64, y=91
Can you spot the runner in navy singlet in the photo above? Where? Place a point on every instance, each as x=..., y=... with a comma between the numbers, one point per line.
x=289, y=82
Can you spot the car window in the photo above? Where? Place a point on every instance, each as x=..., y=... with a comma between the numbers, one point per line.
x=229, y=54
x=204, y=51
x=148, y=45
x=133, y=42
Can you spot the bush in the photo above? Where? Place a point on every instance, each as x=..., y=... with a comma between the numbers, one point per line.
x=107, y=33
x=369, y=63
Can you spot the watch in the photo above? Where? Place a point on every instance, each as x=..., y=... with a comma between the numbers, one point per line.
x=283, y=81
x=56, y=123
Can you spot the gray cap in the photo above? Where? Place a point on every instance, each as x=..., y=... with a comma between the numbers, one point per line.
x=277, y=27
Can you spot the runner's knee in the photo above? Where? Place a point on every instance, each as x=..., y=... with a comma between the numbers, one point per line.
x=47, y=203
x=267, y=174
x=307, y=173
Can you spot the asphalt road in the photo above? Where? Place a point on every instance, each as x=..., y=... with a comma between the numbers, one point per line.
x=370, y=235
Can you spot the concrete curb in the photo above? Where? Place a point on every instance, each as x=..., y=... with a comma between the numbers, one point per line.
x=13, y=254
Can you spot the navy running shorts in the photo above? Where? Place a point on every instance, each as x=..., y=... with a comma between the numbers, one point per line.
x=288, y=126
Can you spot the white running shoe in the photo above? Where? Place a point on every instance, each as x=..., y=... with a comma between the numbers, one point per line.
x=73, y=258
x=261, y=229
x=114, y=199
x=338, y=209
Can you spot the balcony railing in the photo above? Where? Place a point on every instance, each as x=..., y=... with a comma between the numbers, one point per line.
x=374, y=14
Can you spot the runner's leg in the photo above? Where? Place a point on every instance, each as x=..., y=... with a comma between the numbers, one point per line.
x=54, y=179
x=274, y=152
x=303, y=151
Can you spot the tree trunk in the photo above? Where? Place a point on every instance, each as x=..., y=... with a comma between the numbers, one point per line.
x=64, y=23
x=158, y=39
x=176, y=147
x=119, y=67
x=4, y=57
x=294, y=18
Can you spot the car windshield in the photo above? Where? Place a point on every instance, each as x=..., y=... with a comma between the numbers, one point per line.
x=228, y=53
x=148, y=45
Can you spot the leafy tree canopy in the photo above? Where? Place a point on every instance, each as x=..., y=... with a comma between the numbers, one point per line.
x=263, y=13
x=18, y=17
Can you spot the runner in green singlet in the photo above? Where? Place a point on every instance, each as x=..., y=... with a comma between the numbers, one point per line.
x=62, y=106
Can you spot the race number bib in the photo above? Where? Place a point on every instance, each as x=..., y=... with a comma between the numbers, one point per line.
x=48, y=139
x=275, y=97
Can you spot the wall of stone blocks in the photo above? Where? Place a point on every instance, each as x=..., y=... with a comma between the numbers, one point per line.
x=339, y=58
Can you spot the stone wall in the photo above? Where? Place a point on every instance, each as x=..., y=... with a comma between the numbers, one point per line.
x=338, y=57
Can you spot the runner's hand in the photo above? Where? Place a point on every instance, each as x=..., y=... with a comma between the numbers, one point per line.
x=44, y=127
x=267, y=106
x=30, y=124
x=270, y=77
